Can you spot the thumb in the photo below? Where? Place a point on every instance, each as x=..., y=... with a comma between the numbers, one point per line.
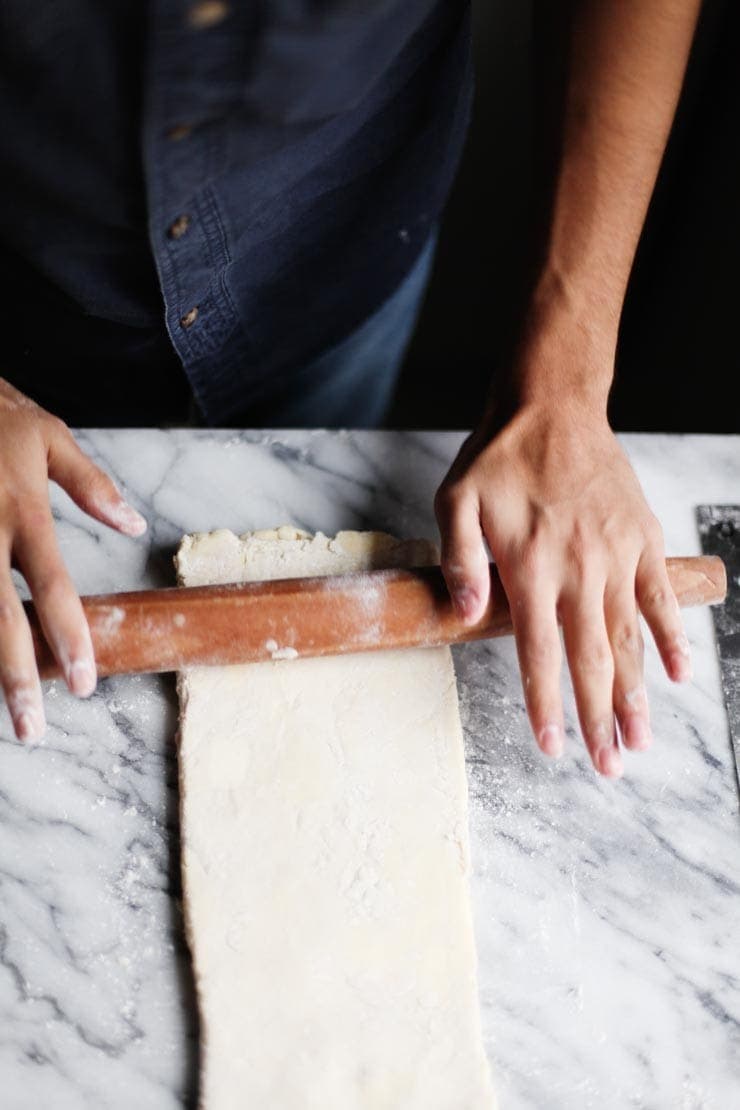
x=464, y=559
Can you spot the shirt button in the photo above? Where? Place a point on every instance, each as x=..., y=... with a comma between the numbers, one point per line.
x=178, y=227
x=178, y=132
x=189, y=317
x=207, y=13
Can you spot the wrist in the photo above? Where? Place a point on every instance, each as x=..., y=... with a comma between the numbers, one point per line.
x=589, y=298
x=566, y=350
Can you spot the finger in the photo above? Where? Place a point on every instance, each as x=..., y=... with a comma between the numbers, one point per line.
x=628, y=696
x=55, y=598
x=660, y=608
x=592, y=673
x=464, y=559
x=88, y=485
x=18, y=675
x=540, y=657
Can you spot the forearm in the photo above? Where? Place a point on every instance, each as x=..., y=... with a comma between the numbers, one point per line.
x=543, y=479
x=625, y=68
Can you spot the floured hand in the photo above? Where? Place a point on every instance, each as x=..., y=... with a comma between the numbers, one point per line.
x=36, y=446
x=574, y=540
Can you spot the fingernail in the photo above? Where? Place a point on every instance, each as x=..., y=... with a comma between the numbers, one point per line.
x=465, y=600
x=680, y=665
x=551, y=740
x=610, y=762
x=28, y=718
x=127, y=519
x=81, y=677
x=24, y=703
x=637, y=733
x=29, y=727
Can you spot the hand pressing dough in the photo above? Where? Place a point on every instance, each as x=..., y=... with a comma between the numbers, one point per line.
x=325, y=859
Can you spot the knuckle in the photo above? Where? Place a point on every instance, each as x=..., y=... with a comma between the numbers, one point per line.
x=35, y=517
x=55, y=426
x=627, y=639
x=577, y=552
x=526, y=560
x=518, y=588
x=50, y=585
x=656, y=596
x=533, y=559
x=654, y=533
x=9, y=612
x=595, y=660
x=613, y=532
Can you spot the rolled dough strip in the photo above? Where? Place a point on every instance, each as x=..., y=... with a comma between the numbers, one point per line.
x=325, y=857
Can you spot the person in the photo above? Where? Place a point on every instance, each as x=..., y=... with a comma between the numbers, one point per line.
x=228, y=211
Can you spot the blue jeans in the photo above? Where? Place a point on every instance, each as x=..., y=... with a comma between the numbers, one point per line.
x=352, y=384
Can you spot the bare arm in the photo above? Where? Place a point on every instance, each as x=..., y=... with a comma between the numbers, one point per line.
x=626, y=65
x=543, y=478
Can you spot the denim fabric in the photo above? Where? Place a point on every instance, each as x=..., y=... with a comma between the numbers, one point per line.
x=278, y=167
x=351, y=385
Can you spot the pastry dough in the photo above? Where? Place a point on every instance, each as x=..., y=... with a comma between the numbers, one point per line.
x=325, y=858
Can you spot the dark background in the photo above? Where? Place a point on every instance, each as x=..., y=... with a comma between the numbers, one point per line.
x=677, y=366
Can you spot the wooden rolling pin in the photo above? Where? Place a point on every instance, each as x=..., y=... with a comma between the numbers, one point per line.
x=166, y=630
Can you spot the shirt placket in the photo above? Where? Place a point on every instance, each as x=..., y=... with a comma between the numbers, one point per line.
x=192, y=80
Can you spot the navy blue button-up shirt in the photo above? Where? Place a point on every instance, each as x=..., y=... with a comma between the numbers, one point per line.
x=255, y=177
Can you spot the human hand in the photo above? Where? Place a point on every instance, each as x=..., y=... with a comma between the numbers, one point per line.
x=567, y=524
x=36, y=446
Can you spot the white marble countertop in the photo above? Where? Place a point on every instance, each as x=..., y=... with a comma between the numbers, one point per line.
x=607, y=913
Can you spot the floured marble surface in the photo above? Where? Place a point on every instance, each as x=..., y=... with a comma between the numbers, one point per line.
x=606, y=914
x=325, y=860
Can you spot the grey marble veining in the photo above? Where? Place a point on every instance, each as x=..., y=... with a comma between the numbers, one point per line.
x=607, y=914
